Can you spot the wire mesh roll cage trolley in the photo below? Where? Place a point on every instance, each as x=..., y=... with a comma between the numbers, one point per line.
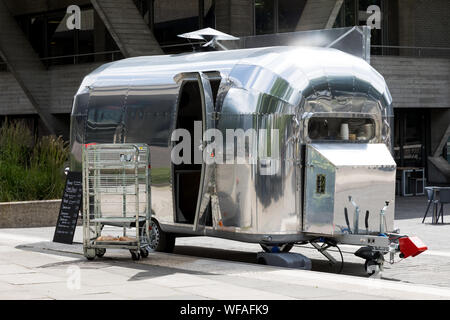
x=116, y=193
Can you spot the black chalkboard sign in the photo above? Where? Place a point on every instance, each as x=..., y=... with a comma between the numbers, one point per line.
x=70, y=208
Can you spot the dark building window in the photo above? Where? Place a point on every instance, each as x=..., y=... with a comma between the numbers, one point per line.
x=3, y=66
x=446, y=151
x=168, y=23
x=411, y=134
x=56, y=44
x=264, y=16
x=354, y=13
x=289, y=12
x=273, y=16
x=61, y=41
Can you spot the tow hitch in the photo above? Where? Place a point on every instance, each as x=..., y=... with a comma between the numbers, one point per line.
x=374, y=259
x=374, y=256
x=377, y=245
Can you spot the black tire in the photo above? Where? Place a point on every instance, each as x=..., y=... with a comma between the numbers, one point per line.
x=159, y=240
x=372, y=267
x=144, y=253
x=286, y=247
x=89, y=253
x=100, y=252
x=135, y=255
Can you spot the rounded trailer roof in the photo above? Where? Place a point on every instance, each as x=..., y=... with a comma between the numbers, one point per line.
x=305, y=70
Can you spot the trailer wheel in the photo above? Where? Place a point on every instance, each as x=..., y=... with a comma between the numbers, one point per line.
x=285, y=247
x=159, y=240
x=372, y=267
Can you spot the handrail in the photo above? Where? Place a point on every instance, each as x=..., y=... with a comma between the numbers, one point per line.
x=445, y=49
x=113, y=52
x=413, y=51
x=80, y=55
x=109, y=52
x=410, y=47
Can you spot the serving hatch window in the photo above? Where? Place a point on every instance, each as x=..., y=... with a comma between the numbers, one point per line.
x=341, y=129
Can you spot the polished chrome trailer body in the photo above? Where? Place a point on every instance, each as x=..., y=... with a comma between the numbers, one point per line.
x=291, y=89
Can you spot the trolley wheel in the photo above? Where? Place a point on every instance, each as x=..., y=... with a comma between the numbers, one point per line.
x=135, y=255
x=285, y=247
x=159, y=240
x=100, y=252
x=144, y=253
x=89, y=253
x=372, y=267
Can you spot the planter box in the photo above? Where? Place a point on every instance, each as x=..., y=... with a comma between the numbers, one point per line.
x=27, y=214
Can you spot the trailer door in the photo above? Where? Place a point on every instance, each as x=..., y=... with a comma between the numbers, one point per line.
x=208, y=122
x=204, y=193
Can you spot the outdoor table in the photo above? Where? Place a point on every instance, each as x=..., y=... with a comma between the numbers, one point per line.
x=436, y=190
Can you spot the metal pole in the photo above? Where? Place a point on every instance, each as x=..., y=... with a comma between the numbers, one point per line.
x=136, y=192
x=201, y=13
x=275, y=16
x=151, y=14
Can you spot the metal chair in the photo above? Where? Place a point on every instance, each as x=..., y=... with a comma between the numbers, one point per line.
x=444, y=197
x=430, y=195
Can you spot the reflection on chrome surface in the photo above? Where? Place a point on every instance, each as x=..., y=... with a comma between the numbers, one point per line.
x=317, y=96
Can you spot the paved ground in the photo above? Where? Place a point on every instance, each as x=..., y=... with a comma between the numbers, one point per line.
x=32, y=267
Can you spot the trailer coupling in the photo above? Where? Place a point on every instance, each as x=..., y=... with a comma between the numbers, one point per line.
x=407, y=246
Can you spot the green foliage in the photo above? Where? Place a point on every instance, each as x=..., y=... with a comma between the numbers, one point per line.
x=160, y=176
x=30, y=169
x=16, y=141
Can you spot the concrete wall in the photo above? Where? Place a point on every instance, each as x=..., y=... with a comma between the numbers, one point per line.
x=29, y=214
x=424, y=23
x=317, y=13
x=12, y=98
x=235, y=17
x=36, y=6
x=64, y=83
x=416, y=82
x=420, y=83
x=440, y=119
x=168, y=10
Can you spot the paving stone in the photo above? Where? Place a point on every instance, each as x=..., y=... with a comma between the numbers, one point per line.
x=180, y=280
x=19, y=294
x=232, y=292
x=180, y=297
x=61, y=290
x=32, y=267
x=29, y=278
x=14, y=269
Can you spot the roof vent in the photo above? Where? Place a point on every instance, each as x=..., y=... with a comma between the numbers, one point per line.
x=210, y=37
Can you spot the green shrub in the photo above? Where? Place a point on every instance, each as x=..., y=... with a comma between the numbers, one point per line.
x=16, y=141
x=30, y=169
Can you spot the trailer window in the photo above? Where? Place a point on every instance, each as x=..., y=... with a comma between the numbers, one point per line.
x=341, y=129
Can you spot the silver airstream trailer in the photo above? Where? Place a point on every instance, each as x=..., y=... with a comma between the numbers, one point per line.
x=333, y=179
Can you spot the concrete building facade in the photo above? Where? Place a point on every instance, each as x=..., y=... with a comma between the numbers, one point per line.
x=42, y=61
